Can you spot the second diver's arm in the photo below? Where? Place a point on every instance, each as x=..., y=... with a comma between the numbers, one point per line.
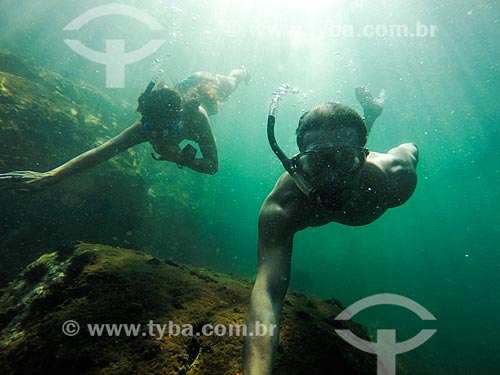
x=203, y=135
x=29, y=181
x=123, y=141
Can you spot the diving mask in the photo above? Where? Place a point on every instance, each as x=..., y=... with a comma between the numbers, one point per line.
x=347, y=160
x=321, y=164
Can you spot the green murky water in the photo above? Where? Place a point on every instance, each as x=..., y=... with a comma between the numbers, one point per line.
x=441, y=91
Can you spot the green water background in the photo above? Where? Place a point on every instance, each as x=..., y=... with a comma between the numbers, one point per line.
x=440, y=249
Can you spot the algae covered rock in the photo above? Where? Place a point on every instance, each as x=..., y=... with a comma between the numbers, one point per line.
x=45, y=120
x=93, y=285
x=130, y=200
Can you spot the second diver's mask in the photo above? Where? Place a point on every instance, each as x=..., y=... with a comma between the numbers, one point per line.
x=320, y=169
x=165, y=128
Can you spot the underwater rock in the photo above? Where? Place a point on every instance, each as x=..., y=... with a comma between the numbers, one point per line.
x=45, y=120
x=121, y=286
x=130, y=200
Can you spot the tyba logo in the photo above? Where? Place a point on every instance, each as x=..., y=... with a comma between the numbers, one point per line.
x=115, y=57
x=386, y=348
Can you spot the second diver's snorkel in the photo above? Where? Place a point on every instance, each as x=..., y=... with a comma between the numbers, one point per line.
x=290, y=167
x=151, y=85
x=147, y=126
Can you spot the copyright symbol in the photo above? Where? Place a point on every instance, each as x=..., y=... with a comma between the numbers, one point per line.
x=70, y=328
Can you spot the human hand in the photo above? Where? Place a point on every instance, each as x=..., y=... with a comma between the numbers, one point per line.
x=170, y=153
x=26, y=181
x=176, y=155
x=372, y=107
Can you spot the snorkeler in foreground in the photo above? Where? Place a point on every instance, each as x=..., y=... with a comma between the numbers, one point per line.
x=169, y=116
x=334, y=178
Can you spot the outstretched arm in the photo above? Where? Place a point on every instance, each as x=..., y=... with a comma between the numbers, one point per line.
x=277, y=227
x=123, y=141
x=32, y=181
x=266, y=301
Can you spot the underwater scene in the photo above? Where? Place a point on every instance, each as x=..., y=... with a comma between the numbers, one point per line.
x=250, y=187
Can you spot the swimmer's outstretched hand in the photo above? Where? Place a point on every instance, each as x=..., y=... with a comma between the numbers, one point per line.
x=372, y=107
x=26, y=181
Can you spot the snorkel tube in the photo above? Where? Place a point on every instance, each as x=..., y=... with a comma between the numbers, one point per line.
x=142, y=99
x=146, y=93
x=150, y=87
x=271, y=121
x=289, y=166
